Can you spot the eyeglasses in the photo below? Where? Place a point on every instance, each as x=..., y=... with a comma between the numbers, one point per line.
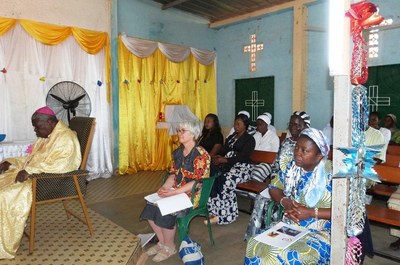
x=181, y=131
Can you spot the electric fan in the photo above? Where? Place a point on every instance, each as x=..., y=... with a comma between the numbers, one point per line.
x=68, y=99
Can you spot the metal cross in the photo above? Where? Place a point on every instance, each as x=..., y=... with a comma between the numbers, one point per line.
x=374, y=100
x=254, y=103
x=252, y=48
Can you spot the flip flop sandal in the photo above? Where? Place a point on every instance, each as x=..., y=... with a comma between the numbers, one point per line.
x=164, y=254
x=154, y=249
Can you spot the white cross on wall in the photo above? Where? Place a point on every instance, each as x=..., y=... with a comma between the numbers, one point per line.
x=374, y=100
x=252, y=48
x=254, y=103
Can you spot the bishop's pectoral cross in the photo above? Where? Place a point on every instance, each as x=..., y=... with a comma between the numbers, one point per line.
x=252, y=48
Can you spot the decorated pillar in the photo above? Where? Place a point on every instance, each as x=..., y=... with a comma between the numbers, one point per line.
x=350, y=178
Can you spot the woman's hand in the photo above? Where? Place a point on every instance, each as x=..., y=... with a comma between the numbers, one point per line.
x=297, y=212
x=165, y=192
x=217, y=160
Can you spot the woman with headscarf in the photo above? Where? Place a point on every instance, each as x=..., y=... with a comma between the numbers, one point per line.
x=390, y=121
x=299, y=121
x=304, y=190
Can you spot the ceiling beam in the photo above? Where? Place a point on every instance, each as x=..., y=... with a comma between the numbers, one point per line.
x=173, y=3
x=259, y=12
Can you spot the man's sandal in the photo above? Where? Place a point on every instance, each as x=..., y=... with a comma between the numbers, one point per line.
x=154, y=249
x=164, y=254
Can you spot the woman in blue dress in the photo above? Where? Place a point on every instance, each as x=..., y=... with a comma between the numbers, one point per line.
x=304, y=190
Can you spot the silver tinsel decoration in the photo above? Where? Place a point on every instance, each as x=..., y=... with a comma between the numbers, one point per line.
x=359, y=122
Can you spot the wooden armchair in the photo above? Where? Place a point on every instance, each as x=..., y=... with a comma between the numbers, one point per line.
x=49, y=187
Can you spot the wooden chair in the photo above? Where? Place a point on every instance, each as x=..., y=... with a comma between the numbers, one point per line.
x=49, y=187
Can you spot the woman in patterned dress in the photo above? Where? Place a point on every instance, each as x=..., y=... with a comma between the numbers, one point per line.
x=190, y=162
x=299, y=121
x=304, y=190
x=233, y=162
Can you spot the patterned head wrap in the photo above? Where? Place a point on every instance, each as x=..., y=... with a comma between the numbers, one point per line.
x=394, y=118
x=245, y=113
x=304, y=116
x=265, y=118
x=319, y=139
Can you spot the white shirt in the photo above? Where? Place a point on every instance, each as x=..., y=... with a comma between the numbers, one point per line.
x=327, y=131
x=387, y=134
x=375, y=137
x=269, y=142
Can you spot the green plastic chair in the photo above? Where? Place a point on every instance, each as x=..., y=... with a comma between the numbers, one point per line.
x=201, y=210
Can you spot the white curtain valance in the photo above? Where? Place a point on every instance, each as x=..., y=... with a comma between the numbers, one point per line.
x=175, y=53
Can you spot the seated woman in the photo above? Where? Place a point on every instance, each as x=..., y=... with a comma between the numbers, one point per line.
x=299, y=121
x=304, y=190
x=211, y=137
x=190, y=162
x=266, y=140
x=250, y=129
x=233, y=163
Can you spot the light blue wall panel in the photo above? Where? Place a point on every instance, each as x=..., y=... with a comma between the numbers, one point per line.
x=145, y=19
x=275, y=32
x=389, y=39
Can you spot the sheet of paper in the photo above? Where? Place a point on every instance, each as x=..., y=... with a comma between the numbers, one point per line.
x=152, y=198
x=281, y=235
x=174, y=203
x=265, y=193
x=145, y=238
x=170, y=204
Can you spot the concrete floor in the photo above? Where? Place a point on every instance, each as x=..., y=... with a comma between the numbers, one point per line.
x=229, y=248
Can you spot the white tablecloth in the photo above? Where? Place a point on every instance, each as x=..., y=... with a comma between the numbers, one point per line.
x=13, y=149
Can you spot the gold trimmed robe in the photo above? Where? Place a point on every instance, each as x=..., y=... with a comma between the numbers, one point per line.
x=58, y=153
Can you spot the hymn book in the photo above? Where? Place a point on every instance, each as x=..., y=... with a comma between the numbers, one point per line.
x=282, y=235
x=171, y=204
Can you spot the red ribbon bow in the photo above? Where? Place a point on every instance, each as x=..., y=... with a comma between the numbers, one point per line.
x=362, y=16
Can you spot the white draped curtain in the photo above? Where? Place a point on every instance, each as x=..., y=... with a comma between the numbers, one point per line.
x=174, y=53
x=31, y=68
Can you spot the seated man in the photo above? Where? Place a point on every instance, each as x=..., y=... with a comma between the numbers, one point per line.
x=56, y=150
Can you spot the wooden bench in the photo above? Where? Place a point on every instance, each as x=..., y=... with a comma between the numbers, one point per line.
x=382, y=190
x=256, y=158
x=393, y=150
x=383, y=215
x=388, y=174
x=392, y=160
x=254, y=186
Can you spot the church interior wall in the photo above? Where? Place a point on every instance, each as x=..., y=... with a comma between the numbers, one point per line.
x=274, y=31
x=145, y=19
x=88, y=14
x=389, y=39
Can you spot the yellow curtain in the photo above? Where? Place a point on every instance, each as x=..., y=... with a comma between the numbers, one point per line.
x=90, y=41
x=6, y=24
x=146, y=85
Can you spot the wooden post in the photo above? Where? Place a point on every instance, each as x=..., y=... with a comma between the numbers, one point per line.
x=300, y=15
